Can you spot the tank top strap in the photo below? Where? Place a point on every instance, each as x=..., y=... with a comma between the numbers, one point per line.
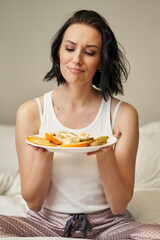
x=39, y=108
x=48, y=102
x=105, y=117
x=115, y=114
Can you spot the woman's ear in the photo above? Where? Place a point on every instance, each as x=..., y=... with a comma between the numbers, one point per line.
x=99, y=68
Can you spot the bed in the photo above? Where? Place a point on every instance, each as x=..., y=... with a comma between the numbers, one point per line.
x=145, y=204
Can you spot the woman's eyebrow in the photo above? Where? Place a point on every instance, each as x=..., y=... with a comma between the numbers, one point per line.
x=89, y=45
x=70, y=42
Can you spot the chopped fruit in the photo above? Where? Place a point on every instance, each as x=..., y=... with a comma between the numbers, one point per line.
x=97, y=142
x=84, y=136
x=52, y=139
x=40, y=141
x=78, y=144
x=102, y=137
x=68, y=137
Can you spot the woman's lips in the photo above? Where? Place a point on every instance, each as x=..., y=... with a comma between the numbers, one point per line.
x=76, y=70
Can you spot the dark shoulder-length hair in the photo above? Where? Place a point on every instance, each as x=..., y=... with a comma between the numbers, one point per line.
x=114, y=68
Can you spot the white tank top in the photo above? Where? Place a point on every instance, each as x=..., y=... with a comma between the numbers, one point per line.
x=75, y=185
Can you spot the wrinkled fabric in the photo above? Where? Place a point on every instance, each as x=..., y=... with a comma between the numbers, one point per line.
x=105, y=225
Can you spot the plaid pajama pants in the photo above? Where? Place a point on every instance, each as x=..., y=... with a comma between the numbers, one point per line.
x=105, y=226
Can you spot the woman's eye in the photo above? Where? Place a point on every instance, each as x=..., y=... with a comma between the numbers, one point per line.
x=90, y=53
x=86, y=52
x=70, y=49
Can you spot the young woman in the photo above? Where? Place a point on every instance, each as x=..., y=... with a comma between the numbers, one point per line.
x=80, y=195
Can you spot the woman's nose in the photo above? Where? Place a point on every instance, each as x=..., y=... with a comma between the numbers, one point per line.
x=77, y=58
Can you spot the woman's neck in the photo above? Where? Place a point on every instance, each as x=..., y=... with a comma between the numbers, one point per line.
x=77, y=96
x=71, y=103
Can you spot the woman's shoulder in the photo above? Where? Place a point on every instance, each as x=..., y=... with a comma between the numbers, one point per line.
x=127, y=114
x=28, y=111
x=124, y=108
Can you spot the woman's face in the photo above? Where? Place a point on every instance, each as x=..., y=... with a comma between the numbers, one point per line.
x=80, y=53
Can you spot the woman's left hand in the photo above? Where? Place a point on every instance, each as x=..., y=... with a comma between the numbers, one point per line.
x=106, y=149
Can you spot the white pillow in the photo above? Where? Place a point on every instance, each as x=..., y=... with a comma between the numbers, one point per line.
x=13, y=205
x=145, y=205
x=148, y=157
x=10, y=182
x=8, y=155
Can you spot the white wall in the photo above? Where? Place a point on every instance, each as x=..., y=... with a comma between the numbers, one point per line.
x=26, y=29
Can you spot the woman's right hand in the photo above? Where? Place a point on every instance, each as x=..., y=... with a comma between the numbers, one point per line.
x=41, y=150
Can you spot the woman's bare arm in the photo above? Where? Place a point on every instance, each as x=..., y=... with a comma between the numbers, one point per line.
x=117, y=166
x=35, y=166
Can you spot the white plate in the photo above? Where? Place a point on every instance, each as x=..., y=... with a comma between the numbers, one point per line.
x=110, y=141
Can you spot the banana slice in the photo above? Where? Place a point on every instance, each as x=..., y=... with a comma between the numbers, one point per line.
x=68, y=137
x=84, y=136
x=66, y=140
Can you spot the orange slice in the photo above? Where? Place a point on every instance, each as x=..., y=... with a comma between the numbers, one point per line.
x=52, y=139
x=78, y=144
x=40, y=141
